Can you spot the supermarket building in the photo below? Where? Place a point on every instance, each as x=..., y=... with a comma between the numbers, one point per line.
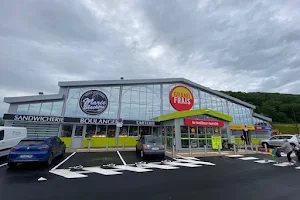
x=117, y=112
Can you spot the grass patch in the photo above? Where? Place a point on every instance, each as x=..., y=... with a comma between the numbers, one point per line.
x=287, y=128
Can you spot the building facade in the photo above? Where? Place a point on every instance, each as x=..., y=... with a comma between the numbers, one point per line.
x=116, y=112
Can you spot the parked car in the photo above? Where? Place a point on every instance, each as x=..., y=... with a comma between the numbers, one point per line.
x=38, y=149
x=9, y=137
x=150, y=145
x=277, y=140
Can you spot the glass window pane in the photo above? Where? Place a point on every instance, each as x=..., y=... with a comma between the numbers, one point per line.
x=22, y=108
x=46, y=108
x=111, y=129
x=124, y=131
x=74, y=93
x=66, y=131
x=57, y=108
x=101, y=131
x=34, y=109
x=90, y=130
x=71, y=107
x=133, y=131
x=78, y=131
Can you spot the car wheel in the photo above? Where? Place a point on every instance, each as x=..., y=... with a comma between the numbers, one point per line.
x=11, y=165
x=142, y=154
x=50, y=159
x=136, y=150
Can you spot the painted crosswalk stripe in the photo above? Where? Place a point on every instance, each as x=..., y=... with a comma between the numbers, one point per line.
x=249, y=158
x=264, y=161
x=284, y=164
x=67, y=173
x=133, y=169
x=234, y=156
x=157, y=166
x=196, y=162
x=297, y=167
x=182, y=164
x=99, y=170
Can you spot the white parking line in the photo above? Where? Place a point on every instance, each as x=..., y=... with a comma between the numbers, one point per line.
x=123, y=161
x=62, y=162
x=2, y=165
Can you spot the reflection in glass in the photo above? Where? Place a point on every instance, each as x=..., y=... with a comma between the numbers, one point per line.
x=101, y=131
x=193, y=137
x=133, y=131
x=66, y=130
x=111, y=129
x=90, y=131
x=34, y=109
x=124, y=131
x=22, y=108
x=57, y=108
x=78, y=131
x=46, y=108
x=184, y=137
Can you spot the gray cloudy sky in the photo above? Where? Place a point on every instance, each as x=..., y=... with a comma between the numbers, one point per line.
x=239, y=45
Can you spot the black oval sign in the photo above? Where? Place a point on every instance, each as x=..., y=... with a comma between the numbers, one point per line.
x=93, y=102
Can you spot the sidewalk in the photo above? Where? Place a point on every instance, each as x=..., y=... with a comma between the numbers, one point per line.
x=194, y=153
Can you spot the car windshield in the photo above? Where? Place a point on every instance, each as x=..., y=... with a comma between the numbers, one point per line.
x=31, y=142
x=153, y=139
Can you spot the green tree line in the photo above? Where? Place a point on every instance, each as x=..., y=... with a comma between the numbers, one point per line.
x=282, y=108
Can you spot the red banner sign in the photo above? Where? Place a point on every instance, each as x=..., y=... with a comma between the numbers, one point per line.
x=259, y=128
x=200, y=122
x=181, y=98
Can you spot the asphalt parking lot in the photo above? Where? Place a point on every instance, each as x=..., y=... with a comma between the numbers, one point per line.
x=225, y=178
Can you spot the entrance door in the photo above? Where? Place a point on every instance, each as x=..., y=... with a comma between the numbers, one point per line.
x=77, y=136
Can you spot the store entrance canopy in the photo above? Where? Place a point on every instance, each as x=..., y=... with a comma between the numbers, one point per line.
x=189, y=113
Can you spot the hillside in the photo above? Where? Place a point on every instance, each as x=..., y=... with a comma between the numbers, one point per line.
x=282, y=108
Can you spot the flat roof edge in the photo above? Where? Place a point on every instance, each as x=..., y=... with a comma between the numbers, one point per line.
x=262, y=117
x=25, y=99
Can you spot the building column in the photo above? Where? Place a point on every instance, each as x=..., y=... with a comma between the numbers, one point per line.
x=177, y=134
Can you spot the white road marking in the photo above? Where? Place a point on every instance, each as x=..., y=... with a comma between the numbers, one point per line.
x=196, y=162
x=2, y=165
x=284, y=154
x=189, y=158
x=264, y=161
x=234, y=156
x=123, y=161
x=42, y=179
x=297, y=167
x=67, y=173
x=151, y=165
x=249, y=158
x=133, y=169
x=62, y=162
x=284, y=164
x=99, y=170
x=182, y=164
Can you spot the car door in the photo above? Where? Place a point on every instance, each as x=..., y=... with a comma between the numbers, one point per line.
x=273, y=141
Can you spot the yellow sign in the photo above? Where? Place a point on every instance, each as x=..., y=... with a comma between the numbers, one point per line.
x=216, y=142
x=241, y=127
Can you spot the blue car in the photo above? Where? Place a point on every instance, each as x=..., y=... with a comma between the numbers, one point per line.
x=40, y=149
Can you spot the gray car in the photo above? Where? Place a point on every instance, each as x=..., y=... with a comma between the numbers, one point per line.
x=150, y=145
x=278, y=140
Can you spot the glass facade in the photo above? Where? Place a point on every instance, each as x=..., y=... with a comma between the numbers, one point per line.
x=142, y=102
x=47, y=108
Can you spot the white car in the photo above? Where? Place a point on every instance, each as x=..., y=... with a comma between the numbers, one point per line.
x=9, y=137
x=278, y=140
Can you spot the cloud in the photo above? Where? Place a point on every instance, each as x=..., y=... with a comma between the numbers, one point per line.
x=226, y=44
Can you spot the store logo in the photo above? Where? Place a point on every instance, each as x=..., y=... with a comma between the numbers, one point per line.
x=181, y=98
x=93, y=102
